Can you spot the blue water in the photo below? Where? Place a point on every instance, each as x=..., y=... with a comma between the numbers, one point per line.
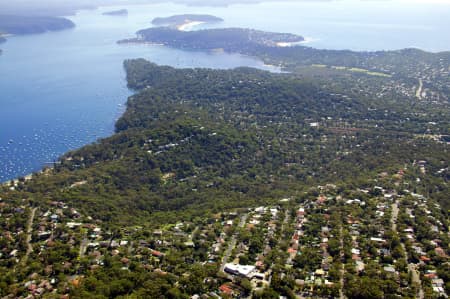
x=62, y=90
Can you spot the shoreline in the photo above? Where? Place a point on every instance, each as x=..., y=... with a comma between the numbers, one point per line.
x=288, y=44
x=189, y=25
x=4, y=37
x=186, y=27
x=16, y=181
x=44, y=169
x=306, y=40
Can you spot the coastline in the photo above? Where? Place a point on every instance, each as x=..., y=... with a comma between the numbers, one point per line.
x=306, y=40
x=189, y=25
x=16, y=181
x=288, y=44
x=43, y=170
x=3, y=38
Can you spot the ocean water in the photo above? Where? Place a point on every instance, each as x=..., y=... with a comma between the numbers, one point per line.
x=62, y=90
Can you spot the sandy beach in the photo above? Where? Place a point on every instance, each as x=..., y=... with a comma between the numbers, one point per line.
x=189, y=26
x=290, y=44
x=5, y=35
x=306, y=40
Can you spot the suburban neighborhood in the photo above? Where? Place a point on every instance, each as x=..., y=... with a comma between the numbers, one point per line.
x=322, y=244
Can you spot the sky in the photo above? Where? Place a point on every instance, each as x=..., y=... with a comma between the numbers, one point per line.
x=70, y=7
x=428, y=1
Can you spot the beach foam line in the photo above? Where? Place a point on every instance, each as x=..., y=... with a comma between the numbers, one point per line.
x=188, y=26
x=306, y=40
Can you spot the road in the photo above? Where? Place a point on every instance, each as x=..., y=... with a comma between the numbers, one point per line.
x=416, y=279
x=29, y=231
x=419, y=90
x=83, y=247
x=286, y=219
x=394, y=216
x=232, y=244
x=342, y=272
x=411, y=267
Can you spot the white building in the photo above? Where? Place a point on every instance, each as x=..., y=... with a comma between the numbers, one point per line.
x=242, y=270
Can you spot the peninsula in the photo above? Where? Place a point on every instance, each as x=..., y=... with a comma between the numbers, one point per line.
x=316, y=180
x=19, y=25
x=328, y=181
x=228, y=39
x=284, y=50
x=180, y=21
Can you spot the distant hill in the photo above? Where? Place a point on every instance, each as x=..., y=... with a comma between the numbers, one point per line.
x=284, y=50
x=29, y=25
x=177, y=20
x=120, y=12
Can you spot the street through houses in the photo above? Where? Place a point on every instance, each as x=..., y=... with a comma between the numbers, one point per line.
x=232, y=245
x=394, y=216
x=319, y=246
x=415, y=276
x=83, y=246
x=29, y=231
x=342, y=271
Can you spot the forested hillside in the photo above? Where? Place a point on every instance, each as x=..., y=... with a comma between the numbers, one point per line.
x=195, y=144
x=236, y=137
x=12, y=24
x=407, y=73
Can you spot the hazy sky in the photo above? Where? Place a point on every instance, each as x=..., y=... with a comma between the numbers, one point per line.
x=67, y=7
